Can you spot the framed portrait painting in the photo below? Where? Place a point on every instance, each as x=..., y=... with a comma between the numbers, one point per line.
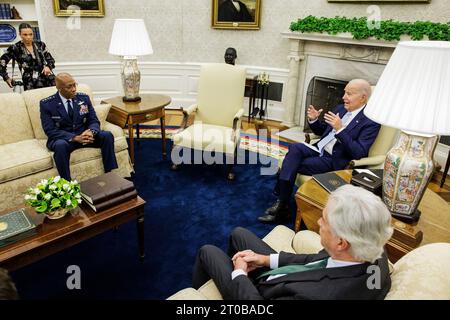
x=375, y=1
x=236, y=14
x=83, y=8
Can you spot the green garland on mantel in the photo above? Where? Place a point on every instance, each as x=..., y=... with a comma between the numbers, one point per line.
x=389, y=29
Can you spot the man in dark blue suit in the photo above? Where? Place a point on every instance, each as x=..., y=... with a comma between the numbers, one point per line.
x=346, y=134
x=70, y=123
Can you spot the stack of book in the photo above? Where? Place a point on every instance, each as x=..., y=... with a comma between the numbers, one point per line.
x=15, y=226
x=5, y=11
x=106, y=191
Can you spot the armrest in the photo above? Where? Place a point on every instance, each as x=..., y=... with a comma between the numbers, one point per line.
x=187, y=294
x=190, y=110
x=236, y=121
x=237, y=117
x=186, y=113
x=114, y=129
x=307, y=242
x=368, y=161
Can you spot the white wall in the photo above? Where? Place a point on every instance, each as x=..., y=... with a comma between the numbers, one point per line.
x=178, y=80
x=181, y=31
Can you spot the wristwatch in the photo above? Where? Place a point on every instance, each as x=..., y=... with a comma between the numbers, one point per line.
x=94, y=132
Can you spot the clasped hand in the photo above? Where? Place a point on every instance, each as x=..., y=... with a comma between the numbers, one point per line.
x=85, y=138
x=248, y=260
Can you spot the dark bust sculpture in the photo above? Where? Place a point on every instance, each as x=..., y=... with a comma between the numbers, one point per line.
x=230, y=55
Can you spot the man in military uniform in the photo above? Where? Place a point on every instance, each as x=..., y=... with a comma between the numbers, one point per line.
x=70, y=123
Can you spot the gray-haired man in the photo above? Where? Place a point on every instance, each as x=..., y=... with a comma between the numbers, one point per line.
x=354, y=228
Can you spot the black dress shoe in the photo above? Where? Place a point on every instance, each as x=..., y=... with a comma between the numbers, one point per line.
x=277, y=213
x=276, y=189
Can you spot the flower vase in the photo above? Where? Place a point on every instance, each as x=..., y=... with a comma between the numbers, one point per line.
x=57, y=214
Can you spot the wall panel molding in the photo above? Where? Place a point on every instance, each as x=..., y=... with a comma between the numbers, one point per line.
x=178, y=80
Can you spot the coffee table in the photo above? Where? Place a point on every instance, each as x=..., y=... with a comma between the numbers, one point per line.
x=433, y=225
x=80, y=224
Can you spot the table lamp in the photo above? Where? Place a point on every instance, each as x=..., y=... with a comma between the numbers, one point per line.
x=412, y=94
x=130, y=39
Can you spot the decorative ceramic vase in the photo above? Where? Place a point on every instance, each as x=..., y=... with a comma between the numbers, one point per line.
x=407, y=171
x=131, y=79
x=57, y=214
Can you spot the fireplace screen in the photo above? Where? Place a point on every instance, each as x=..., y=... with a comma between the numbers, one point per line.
x=323, y=93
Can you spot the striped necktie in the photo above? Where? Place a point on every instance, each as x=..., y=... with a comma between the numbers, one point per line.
x=326, y=140
x=291, y=268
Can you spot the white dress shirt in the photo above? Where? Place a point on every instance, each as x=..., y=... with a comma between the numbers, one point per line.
x=64, y=101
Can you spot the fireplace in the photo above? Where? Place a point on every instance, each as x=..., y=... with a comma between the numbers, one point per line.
x=323, y=93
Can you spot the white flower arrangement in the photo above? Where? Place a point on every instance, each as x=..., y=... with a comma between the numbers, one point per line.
x=52, y=194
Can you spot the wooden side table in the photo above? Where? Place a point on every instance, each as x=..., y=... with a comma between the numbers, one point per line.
x=433, y=225
x=151, y=107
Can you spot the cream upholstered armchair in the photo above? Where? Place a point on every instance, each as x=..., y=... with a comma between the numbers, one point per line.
x=218, y=113
x=421, y=274
x=375, y=158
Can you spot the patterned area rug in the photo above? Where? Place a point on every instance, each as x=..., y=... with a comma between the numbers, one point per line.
x=274, y=148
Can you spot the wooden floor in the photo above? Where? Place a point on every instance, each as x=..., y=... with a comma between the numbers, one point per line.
x=175, y=118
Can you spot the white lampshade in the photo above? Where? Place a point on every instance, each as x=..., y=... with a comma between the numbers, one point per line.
x=130, y=38
x=413, y=93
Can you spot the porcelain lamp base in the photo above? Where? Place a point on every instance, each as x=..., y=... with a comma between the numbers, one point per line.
x=407, y=171
x=131, y=79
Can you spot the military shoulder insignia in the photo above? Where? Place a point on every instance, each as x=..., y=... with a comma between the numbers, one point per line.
x=49, y=98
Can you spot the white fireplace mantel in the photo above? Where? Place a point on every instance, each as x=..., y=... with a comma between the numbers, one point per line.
x=344, y=38
x=341, y=46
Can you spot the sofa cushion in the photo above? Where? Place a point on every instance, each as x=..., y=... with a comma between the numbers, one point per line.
x=32, y=100
x=207, y=137
x=280, y=239
x=15, y=123
x=23, y=158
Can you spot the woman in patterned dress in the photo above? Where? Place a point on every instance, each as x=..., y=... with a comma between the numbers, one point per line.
x=33, y=60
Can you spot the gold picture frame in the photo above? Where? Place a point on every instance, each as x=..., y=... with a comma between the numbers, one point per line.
x=392, y=1
x=225, y=15
x=82, y=8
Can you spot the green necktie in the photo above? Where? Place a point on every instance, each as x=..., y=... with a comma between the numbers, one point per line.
x=296, y=268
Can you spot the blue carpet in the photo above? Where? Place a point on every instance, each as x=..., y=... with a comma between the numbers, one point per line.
x=185, y=209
